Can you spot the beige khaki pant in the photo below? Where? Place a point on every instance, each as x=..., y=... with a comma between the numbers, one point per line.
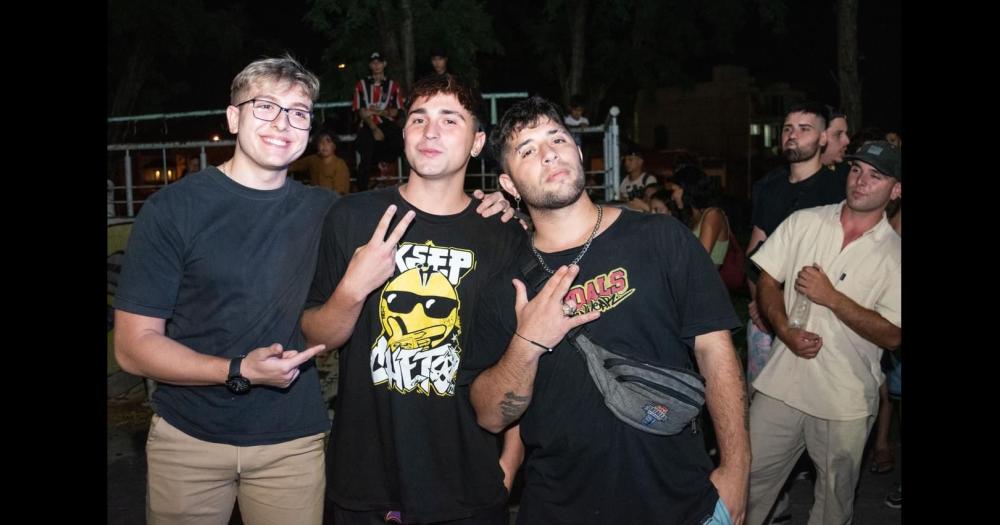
x=778, y=433
x=196, y=482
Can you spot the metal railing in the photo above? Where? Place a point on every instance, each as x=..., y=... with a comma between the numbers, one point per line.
x=491, y=97
x=487, y=179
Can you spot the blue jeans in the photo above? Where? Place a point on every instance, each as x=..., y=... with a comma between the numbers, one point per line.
x=721, y=515
x=758, y=350
x=894, y=376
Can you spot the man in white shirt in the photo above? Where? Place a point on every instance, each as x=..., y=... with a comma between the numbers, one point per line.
x=819, y=390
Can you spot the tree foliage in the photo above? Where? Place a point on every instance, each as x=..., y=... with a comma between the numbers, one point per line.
x=635, y=44
x=148, y=40
x=356, y=28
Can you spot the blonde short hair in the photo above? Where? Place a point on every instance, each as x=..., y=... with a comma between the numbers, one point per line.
x=282, y=69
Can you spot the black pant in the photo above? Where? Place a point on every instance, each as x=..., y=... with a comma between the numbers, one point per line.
x=373, y=151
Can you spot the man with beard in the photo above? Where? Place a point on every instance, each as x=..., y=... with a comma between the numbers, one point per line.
x=819, y=390
x=640, y=282
x=803, y=183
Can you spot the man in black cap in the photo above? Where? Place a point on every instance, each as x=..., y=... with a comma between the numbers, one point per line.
x=377, y=101
x=811, y=137
x=819, y=389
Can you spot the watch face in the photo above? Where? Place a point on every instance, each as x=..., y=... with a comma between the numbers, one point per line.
x=238, y=385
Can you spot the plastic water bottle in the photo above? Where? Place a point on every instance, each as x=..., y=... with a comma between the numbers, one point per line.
x=800, y=311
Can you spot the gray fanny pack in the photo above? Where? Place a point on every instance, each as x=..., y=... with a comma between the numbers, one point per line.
x=653, y=398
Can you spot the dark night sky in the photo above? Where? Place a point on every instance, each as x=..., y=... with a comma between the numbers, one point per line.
x=804, y=56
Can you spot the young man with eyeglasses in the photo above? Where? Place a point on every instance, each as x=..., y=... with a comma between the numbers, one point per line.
x=399, y=279
x=211, y=290
x=641, y=285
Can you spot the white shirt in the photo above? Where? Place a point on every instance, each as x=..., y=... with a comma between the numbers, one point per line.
x=841, y=382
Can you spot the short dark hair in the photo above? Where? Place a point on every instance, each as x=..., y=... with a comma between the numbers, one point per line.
x=449, y=84
x=576, y=101
x=813, y=108
x=523, y=114
x=323, y=132
x=835, y=113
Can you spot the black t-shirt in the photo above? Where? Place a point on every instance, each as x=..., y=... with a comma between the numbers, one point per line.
x=405, y=436
x=656, y=289
x=774, y=197
x=228, y=267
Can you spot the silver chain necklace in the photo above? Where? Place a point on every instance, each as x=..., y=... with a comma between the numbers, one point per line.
x=586, y=245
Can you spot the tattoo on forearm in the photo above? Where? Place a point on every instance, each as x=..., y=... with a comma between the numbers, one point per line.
x=513, y=406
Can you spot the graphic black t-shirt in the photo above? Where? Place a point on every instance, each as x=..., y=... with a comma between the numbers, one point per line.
x=228, y=267
x=404, y=434
x=656, y=289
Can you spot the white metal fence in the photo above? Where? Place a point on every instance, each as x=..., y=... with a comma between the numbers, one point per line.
x=133, y=190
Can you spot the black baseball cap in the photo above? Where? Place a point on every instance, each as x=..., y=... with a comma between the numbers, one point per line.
x=882, y=155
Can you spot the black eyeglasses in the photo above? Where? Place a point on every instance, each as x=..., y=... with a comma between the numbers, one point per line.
x=267, y=110
x=434, y=306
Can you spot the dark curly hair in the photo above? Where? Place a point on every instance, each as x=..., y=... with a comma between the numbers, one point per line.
x=523, y=114
x=449, y=84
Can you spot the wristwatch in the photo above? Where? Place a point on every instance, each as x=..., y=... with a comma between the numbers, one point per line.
x=236, y=383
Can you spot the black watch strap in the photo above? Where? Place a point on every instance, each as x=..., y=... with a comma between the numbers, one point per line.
x=236, y=383
x=234, y=367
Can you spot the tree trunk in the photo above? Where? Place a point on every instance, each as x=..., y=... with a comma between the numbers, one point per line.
x=385, y=17
x=847, y=62
x=406, y=35
x=579, y=40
